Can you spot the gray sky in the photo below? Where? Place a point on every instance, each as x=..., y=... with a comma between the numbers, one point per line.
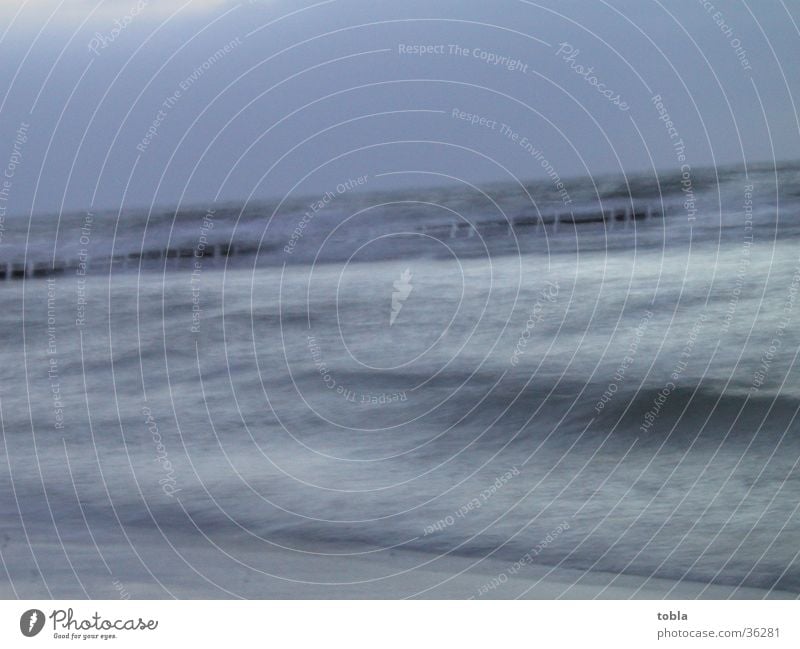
x=310, y=94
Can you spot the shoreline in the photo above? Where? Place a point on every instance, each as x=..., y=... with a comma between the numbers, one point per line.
x=208, y=573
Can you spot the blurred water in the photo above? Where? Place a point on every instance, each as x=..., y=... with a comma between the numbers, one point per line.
x=270, y=398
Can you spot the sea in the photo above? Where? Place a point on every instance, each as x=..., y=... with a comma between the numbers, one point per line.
x=599, y=376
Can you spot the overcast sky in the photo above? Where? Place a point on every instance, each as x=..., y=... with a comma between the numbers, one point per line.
x=127, y=102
